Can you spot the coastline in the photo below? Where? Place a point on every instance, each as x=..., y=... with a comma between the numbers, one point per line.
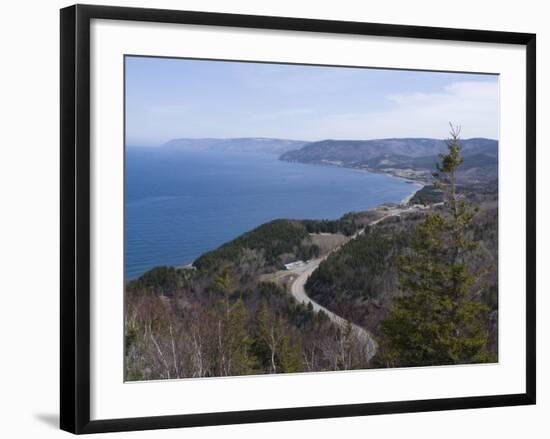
x=416, y=184
x=409, y=177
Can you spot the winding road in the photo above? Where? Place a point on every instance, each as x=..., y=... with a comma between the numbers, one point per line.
x=299, y=293
x=303, y=272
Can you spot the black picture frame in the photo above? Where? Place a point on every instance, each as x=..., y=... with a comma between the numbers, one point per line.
x=75, y=217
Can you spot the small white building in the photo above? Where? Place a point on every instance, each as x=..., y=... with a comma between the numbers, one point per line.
x=295, y=264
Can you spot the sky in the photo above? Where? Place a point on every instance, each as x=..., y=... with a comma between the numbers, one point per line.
x=177, y=98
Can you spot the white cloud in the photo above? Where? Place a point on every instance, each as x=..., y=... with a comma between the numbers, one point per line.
x=473, y=105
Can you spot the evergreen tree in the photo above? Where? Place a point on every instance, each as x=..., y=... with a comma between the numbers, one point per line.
x=223, y=282
x=439, y=318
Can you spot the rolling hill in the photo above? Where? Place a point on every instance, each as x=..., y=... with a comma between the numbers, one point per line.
x=413, y=158
x=244, y=144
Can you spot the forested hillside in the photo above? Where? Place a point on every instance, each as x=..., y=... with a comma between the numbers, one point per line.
x=424, y=283
x=219, y=319
x=271, y=245
x=412, y=158
x=359, y=281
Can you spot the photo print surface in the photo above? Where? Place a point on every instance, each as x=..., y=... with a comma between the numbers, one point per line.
x=287, y=218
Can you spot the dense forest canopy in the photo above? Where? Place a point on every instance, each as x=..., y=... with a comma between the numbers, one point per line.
x=274, y=244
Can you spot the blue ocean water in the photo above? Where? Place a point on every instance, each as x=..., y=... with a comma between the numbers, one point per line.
x=180, y=204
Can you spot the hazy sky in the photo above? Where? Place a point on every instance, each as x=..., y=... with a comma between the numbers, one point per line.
x=171, y=98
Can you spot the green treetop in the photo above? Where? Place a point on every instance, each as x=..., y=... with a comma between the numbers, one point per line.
x=439, y=319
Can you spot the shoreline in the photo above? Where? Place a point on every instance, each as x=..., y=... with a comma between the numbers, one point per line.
x=416, y=184
x=419, y=186
x=415, y=180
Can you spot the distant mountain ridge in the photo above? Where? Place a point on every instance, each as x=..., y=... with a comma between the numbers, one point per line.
x=413, y=158
x=358, y=150
x=239, y=144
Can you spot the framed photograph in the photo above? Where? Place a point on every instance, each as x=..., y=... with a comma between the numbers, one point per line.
x=273, y=218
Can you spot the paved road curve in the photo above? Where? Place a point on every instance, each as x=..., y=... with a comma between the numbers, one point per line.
x=297, y=289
